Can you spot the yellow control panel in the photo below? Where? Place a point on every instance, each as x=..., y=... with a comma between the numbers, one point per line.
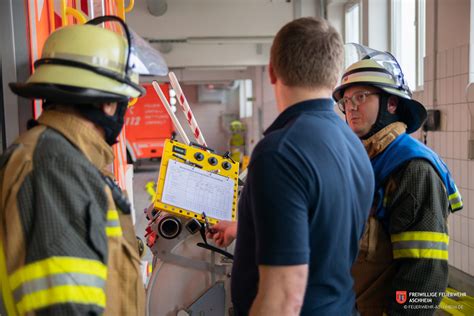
x=193, y=181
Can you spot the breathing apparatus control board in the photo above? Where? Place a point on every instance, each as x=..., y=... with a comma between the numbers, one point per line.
x=194, y=181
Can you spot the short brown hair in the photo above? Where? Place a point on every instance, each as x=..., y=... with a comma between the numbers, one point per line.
x=307, y=52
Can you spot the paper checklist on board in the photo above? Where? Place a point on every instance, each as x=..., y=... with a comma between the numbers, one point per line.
x=199, y=191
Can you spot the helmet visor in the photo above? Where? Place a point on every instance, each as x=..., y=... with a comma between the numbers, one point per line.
x=144, y=59
x=355, y=52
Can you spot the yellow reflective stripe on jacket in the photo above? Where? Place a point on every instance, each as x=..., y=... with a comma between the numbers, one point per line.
x=57, y=265
x=427, y=245
x=422, y=236
x=58, y=280
x=113, y=228
x=7, y=296
x=62, y=294
x=455, y=200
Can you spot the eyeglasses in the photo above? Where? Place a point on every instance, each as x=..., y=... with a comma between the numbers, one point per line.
x=356, y=99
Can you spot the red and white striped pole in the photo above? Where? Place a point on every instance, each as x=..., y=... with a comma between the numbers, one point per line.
x=173, y=117
x=187, y=110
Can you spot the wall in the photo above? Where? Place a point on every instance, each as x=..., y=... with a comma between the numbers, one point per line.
x=264, y=108
x=208, y=116
x=15, y=68
x=217, y=33
x=335, y=15
x=446, y=77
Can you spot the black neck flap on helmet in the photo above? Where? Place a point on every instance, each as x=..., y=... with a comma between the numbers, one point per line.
x=384, y=117
x=111, y=124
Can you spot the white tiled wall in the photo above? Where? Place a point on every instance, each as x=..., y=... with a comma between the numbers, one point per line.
x=452, y=143
x=446, y=77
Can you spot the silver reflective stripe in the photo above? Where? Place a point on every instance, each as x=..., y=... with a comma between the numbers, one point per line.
x=455, y=199
x=359, y=74
x=113, y=223
x=76, y=279
x=91, y=60
x=419, y=245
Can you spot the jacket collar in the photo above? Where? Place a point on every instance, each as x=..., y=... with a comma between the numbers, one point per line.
x=380, y=140
x=313, y=105
x=86, y=139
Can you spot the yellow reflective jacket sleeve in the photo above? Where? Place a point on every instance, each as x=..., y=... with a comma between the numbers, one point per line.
x=54, y=219
x=418, y=208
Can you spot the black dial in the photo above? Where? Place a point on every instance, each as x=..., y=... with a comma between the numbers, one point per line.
x=198, y=156
x=212, y=161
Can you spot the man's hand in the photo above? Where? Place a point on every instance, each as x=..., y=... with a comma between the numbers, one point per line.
x=223, y=233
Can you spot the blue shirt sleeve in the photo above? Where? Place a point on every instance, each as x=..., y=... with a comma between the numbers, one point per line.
x=280, y=201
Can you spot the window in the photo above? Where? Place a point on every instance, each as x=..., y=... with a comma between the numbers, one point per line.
x=408, y=38
x=246, y=98
x=352, y=23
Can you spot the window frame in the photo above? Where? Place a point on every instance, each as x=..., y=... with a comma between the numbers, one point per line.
x=420, y=20
x=470, y=85
x=347, y=8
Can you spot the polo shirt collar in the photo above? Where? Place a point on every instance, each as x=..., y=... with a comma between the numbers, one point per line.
x=307, y=106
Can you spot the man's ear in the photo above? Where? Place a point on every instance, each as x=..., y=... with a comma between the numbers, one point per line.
x=271, y=73
x=109, y=108
x=392, y=104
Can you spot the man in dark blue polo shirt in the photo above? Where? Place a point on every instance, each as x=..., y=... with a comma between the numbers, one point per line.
x=309, y=188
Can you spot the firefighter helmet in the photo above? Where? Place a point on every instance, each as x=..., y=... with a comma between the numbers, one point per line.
x=83, y=64
x=381, y=70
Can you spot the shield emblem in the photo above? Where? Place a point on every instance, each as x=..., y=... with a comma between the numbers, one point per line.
x=401, y=297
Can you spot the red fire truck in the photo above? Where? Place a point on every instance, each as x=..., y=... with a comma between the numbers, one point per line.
x=147, y=125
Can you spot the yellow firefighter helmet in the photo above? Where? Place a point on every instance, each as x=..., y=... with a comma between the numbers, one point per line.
x=83, y=64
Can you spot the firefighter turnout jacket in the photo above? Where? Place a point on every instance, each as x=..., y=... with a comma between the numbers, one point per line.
x=405, y=244
x=65, y=247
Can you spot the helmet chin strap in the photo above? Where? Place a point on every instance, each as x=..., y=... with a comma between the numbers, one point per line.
x=384, y=117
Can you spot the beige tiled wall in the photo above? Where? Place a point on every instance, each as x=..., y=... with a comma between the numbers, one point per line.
x=451, y=143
